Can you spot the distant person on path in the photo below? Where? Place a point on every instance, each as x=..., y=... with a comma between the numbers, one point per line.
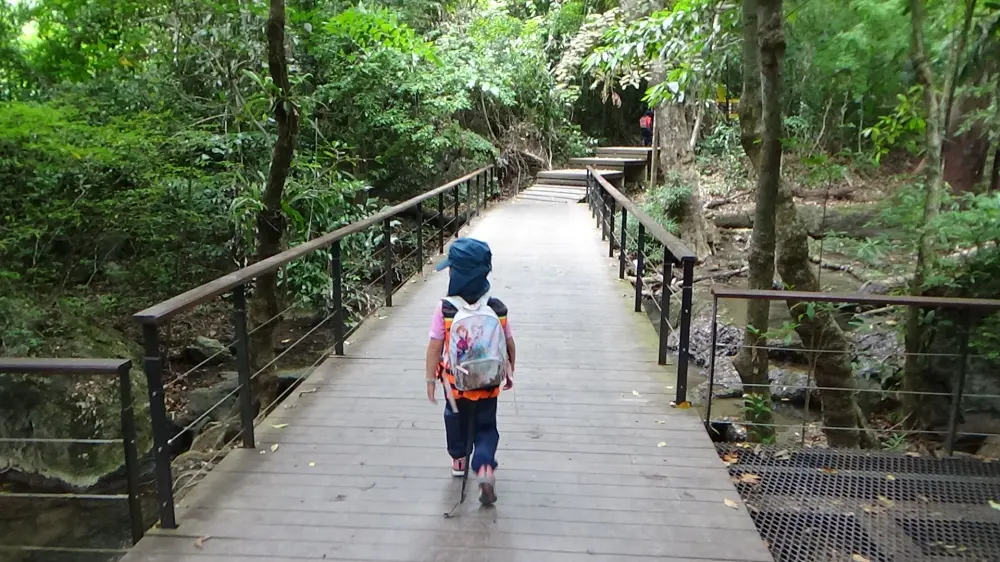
x=646, y=124
x=471, y=370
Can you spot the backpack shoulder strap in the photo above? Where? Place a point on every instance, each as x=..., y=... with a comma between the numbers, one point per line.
x=498, y=307
x=448, y=308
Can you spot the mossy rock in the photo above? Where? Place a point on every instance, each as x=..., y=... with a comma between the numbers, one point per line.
x=68, y=406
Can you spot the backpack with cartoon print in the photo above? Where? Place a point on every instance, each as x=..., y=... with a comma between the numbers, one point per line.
x=477, y=348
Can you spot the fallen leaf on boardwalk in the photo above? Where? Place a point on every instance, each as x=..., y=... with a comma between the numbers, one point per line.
x=828, y=470
x=994, y=505
x=782, y=455
x=730, y=458
x=890, y=477
x=199, y=543
x=749, y=478
x=683, y=405
x=312, y=464
x=279, y=425
x=636, y=393
x=886, y=501
x=310, y=391
x=274, y=447
x=661, y=421
x=670, y=388
x=286, y=340
x=859, y=558
x=731, y=503
x=661, y=444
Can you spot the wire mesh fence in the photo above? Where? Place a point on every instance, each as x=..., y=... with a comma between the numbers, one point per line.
x=838, y=454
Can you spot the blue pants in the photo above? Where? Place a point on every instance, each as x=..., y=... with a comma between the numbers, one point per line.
x=484, y=426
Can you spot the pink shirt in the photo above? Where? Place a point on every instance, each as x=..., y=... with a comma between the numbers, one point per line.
x=437, y=325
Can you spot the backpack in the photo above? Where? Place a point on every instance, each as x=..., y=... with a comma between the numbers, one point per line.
x=477, y=347
x=646, y=122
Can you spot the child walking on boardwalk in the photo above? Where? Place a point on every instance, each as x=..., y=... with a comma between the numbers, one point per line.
x=471, y=353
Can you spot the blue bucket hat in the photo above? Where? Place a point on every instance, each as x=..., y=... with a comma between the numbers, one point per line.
x=469, y=262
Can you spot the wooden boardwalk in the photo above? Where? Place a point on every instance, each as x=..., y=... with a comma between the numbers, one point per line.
x=361, y=471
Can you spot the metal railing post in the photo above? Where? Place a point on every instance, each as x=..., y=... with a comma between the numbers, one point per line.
x=711, y=359
x=665, y=307
x=473, y=211
x=474, y=192
x=611, y=228
x=243, y=365
x=441, y=223
x=483, y=187
x=420, y=237
x=457, y=225
x=129, y=449
x=640, y=266
x=387, y=259
x=959, y=388
x=622, y=244
x=603, y=200
x=337, y=276
x=684, y=340
x=153, y=365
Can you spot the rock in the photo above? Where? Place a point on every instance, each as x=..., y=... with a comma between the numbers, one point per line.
x=69, y=408
x=205, y=348
x=726, y=383
x=877, y=356
x=788, y=384
x=729, y=338
x=990, y=448
x=198, y=401
x=214, y=435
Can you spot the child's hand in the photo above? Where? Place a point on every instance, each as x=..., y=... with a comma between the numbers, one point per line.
x=508, y=383
x=431, y=391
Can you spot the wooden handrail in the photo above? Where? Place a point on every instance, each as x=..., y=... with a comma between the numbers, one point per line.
x=63, y=366
x=857, y=298
x=677, y=248
x=190, y=299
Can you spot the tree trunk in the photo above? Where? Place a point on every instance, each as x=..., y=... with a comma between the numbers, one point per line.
x=751, y=360
x=913, y=380
x=271, y=219
x=672, y=133
x=840, y=410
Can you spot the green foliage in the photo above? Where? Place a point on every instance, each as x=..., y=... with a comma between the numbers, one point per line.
x=691, y=40
x=904, y=127
x=81, y=201
x=755, y=407
x=666, y=202
x=134, y=162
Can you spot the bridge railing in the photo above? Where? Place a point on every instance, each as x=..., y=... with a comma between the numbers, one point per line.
x=876, y=364
x=461, y=198
x=82, y=368
x=606, y=202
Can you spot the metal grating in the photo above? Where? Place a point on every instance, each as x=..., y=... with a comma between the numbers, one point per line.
x=825, y=505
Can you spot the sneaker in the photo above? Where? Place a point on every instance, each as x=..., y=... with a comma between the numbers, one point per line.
x=458, y=468
x=487, y=486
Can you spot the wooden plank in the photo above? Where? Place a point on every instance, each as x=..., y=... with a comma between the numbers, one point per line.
x=360, y=471
x=372, y=546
